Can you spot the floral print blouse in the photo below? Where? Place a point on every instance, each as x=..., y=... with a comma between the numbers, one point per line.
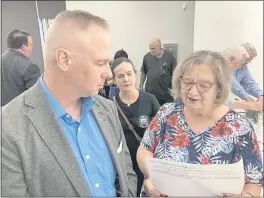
x=169, y=137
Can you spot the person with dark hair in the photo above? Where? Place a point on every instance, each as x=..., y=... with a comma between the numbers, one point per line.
x=136, y=109
x=114, y=90
x=18, y=72
x=120, y=53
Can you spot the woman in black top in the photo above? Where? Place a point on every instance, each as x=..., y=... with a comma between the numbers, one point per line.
x=139, y=108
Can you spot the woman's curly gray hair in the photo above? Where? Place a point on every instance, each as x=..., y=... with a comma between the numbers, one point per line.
x=221, y=68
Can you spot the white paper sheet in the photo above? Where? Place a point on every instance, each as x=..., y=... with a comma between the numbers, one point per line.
x=182, y=179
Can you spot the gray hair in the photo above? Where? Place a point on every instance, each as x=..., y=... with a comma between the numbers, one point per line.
x=239, y=52
x=81, y=18
x=221, y=69
x=250, y=48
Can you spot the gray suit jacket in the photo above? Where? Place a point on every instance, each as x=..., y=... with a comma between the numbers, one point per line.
x=37, y=159
x=18, y=74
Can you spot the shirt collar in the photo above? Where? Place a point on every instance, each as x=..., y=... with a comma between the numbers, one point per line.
x=55, y=105
x=16, y=52
x=87, y=103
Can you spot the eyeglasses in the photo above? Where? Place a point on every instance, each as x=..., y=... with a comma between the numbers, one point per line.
x=201, y=86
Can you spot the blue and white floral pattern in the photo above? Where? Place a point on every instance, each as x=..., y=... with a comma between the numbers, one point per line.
x=231, y=138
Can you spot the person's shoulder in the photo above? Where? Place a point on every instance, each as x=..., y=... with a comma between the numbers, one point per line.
x=23, y=63
x=168, y=54
x=14, y=105
x=14, y=115
x=169, y=109
x=147, y=96
x=147, y=55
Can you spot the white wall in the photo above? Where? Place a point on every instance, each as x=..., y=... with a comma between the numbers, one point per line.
x=134, y=23
x=220, y=24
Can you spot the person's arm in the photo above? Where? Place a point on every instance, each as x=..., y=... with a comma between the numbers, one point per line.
x=142, y=80
x=13, y=180
x=172, y=68
x=146, y=149
x=260, y=98
x=249, y=84
x=142, y=155
x=31, y=75
x=173, y=64
x=238, y=90
x=241, y=104
x=144, y=71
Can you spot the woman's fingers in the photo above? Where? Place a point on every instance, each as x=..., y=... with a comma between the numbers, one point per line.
x=151, y=191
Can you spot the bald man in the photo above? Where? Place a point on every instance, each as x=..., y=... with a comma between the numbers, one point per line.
x=60, y=138
x=157, y=67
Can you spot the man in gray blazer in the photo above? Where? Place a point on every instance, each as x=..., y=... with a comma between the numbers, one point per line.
x=18, y=72
x=60, y=138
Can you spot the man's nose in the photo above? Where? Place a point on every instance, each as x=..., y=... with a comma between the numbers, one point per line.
x=108, y=73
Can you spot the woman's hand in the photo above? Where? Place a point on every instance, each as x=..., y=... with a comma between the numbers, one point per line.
x=151, y=191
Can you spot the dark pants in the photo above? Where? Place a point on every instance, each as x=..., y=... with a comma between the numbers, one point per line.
x=140, y=177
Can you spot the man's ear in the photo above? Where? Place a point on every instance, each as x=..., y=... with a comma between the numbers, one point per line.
x=232, y=59
x=23, y=47
x=63, y=59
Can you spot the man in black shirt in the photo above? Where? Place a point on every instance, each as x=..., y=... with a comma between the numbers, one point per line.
x=158, y=66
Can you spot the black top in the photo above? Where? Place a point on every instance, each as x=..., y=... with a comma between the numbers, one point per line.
x=18, y=75
x=139, y=115
x=159, y=74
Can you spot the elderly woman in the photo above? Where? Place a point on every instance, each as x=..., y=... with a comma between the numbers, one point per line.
x=202, y=129
x=135, y=108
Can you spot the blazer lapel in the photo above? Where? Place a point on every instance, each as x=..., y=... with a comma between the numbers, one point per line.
x=103, y=123
x=43, y=118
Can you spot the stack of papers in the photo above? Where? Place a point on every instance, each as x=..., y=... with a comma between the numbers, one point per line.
x=183, y=179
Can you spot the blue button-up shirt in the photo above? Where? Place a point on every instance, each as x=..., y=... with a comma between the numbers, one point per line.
x=88, y=145
x=243, y=84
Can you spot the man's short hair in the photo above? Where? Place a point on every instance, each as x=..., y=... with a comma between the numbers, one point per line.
x=17, y=38
x=81, y=18
x=237, y=51
x=120, y=54
x=250, y=48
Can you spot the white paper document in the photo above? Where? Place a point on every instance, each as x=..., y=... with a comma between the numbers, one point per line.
x=182, y=179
